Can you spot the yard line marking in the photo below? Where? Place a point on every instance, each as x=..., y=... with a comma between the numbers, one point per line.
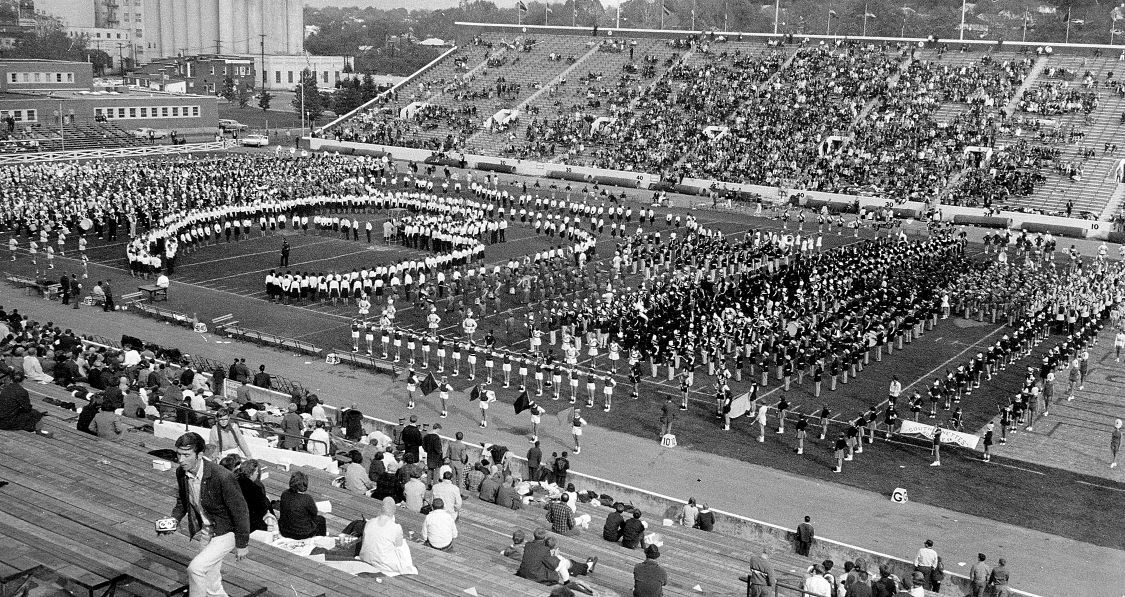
x=271, y=252
x=1020, y=468
x=1102, y=486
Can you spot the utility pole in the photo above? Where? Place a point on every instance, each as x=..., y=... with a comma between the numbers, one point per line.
x=776, y=14
x=263, y=46
x=218, y=46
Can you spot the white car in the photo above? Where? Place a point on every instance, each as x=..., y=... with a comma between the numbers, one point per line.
x=254, y=141
x=147, y=133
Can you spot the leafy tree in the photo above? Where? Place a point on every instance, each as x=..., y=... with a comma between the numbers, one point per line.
x=313, y=102
x=229, y=91
x=101, y=60
x=245, y=94
x=264, y=100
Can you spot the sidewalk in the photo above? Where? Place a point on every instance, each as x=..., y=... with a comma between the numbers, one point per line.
x=1041, y=563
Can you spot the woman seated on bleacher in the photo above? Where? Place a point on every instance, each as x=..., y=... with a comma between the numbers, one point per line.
x=107, y=423
x=299, y=517
x=249, y=475
x=226, y=436
x=33, y=368
x=384, y=547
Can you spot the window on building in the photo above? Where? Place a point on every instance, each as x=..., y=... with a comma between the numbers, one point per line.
x=337, y=76
x=121, y=112
x=175, y=110
x=98, y=35
x=98, y=113
x=32, y=116
x=69, y=77
x=132, y=112
x=13, y=77
x=277, y=77
x=290, y=76
x=195, y=110
x=164, y=111
x=38, y=77
x=144, y=112
x=325, y=76
x=212, y=69
x=58, y=77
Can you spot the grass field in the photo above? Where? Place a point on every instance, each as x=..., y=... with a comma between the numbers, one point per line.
x=228, y=278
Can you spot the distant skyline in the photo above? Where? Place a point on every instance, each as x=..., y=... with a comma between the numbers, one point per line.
x=72, y=13
x=413, y=4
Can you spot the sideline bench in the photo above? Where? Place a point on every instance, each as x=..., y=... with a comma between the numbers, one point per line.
x=154, y=291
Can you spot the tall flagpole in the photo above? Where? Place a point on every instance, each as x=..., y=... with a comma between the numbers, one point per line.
x=776, y=14
x=865, y=13
x=693, y=4
x=618, y=17
x=662, y=9
x=1067, y=25
x=962, y=30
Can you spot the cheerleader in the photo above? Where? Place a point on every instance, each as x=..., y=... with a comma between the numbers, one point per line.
x=440, y=354
x=607, y=393
x=838, y=452
x=802, y=432
x=685, y=388
x=573, y=379
x=506, y=367
x=14, y=245
x=486, y=397
x=456, y=357
x=385, y=334
x=369, y=336
x=538, y=376
x=364, y=305
x=443, y=393
x=782, y=411
x=398, y=345
x=576, y=424
x=489, y=366
x=295, y=290
x=33, y=250
x=635, y=379
x=411, y=388
x=536, y=416
x=570, y=354
x=523, y=372
x=536, y=339
x=345, y=288
x=50, y=257
x=988, y=442
x=556, y=381
x=322, y=290
x=411, y=341
x=471, y=355
x=614, y=355
x=355, y=334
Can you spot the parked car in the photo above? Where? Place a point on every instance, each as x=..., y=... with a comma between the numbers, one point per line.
x=227, y=125
x=255, y=140
x=149, y=133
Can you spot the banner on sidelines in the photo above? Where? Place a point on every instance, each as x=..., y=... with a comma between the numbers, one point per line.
x=740, y=405
x=948, y=436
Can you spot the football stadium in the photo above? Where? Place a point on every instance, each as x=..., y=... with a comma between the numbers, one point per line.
x=587, y=311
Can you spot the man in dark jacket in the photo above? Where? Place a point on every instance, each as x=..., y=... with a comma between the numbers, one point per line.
x=804, y=537
x=538, y=564
x=412, y=436
x=261, y=378
x=209, y=494
x=16, y=413
x=435, y=452
x=614, y=524
x=633, y=531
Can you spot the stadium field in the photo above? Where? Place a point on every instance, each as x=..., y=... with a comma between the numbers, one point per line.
x=1033, y=493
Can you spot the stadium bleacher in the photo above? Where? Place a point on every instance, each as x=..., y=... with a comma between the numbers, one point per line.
x=614, y=112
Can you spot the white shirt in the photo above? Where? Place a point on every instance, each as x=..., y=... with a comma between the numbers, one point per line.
x=926, y=557
x=439, y=529
x=320, y=448
x=818, y=585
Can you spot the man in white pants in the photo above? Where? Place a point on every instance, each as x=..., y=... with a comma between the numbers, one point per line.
x=209, y=496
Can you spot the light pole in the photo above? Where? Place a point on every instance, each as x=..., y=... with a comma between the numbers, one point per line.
x=776, y=14
x=828, y=29
x=961, y=31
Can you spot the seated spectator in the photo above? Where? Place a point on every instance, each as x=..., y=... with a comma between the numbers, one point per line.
x=299, y=516
x=476, y=477
x=355, y=477
x=689, y=513
x=816, y=584
x=33, y=368
x=508, y=497
x=231, y=462
x=706, y=519
x=293, y=428
x=226, y=436
x=490, y=487
x=449, y=494
x=16, y=413
x=614, y=524
x=542, y=564
x=107, y=423
x=414, y=494
x=566, y=568
x=440, y=527
x=383, y=546
x=319, y=442
x=561, y=517
x=633, y=531
x=249, y=475
x=649, y=578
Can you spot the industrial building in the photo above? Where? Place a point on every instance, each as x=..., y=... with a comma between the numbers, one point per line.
x=190, y=27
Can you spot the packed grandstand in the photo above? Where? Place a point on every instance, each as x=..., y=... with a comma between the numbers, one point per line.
x=860, y=152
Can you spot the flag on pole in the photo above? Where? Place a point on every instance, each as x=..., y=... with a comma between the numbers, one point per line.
x=740, y=406
x=549, y=11
x=521, y=6
x=576, y=12
x=869, y=15
x=523, y=402
x=429, y=384
x=475, y=394
x=832, y=12
x=667, y=11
